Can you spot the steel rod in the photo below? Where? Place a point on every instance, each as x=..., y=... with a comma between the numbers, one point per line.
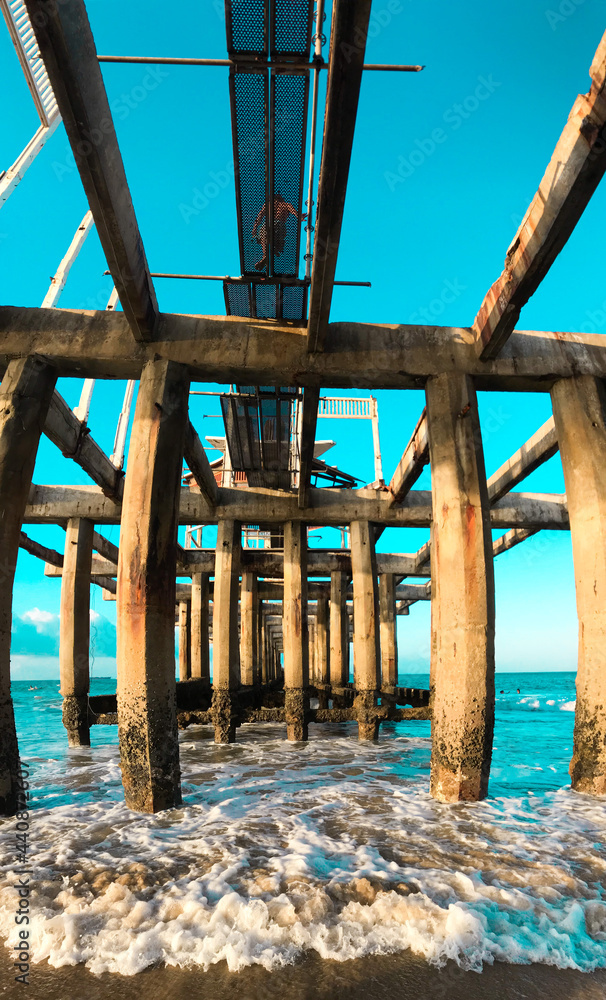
x=277, y=279
x=261, y=64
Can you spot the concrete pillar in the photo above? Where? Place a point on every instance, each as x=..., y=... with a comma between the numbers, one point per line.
x=258, y=668
x=25, y=394
x=462, y=604
x=311, y=630
x=248, y=627
x=366, y=627
x=200, y=660
x=147, y=715
x=579, y=409
x=226, y=651
x=184, y=640
x=74, y=630
x=339, y=634
x=295, y=630
x=388, y=634
x=322, y=656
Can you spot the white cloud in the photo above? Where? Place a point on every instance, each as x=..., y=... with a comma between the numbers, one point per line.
x=41, y=619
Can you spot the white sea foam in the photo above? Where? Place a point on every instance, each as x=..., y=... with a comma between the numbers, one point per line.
x=334, y=848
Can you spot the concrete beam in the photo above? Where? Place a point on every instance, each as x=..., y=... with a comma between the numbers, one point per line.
x=347, y=47
x=534, y=453
x=575, y=170
x=260, y=352
x=68, y=49
x=55, y=504
x=309, y=419
x=511, y=538
x=199, y=466
x=412, y=463
x=72, y=437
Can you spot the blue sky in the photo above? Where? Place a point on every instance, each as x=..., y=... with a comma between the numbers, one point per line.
x=444, y=165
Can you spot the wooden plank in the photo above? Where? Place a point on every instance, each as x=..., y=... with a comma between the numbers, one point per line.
x=348, y=44
x=534, y=453
x=412, y=463
x=68, y=49
x=574, y=172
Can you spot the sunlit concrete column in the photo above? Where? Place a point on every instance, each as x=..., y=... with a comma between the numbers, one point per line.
x=74, y=630
x=295, y=630
x=184, y=640
x=339, y=637
x=248, y=627
x=366, y=627
x=311, y=630
x=462, y=604
x=579, y=409
x=226, y=652
x=147, y=716
x=263, y=645
x=388, y=634
x=322, y=656
x=200, y=660
x=25, y=394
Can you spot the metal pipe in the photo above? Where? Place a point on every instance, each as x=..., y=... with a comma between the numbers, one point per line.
x=261, y=64
x=259, y=281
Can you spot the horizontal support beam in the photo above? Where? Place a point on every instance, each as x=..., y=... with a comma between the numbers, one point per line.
x=511, y=538
x=55, y=504
x=230, y=349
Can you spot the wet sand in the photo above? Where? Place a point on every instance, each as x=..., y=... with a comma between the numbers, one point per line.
x=391, y=977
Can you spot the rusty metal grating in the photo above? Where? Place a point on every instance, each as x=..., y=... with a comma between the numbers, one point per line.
x=266, y=300
x=257, y=427
x=249, y=101
x=247, y=27
x=291, y=25
x=289, y=92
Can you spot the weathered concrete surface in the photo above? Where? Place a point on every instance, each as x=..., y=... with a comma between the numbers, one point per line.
x=322, y=650
x=339, y=633
x=579, y=408
x=200, y=659
x=248, y=627
x=74, y=630
x=366, y=651
x=149, y=749
x=185, y=640
x=412, y=463
x=388, y=634
x=25, y=395
x=575, y=170
x=295, y=630
x=462, y=595
x=325, y=507
x=228, y=349
x=533, y=453
x=226, y=651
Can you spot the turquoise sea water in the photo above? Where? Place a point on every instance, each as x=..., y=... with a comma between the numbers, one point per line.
x=332, y=847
